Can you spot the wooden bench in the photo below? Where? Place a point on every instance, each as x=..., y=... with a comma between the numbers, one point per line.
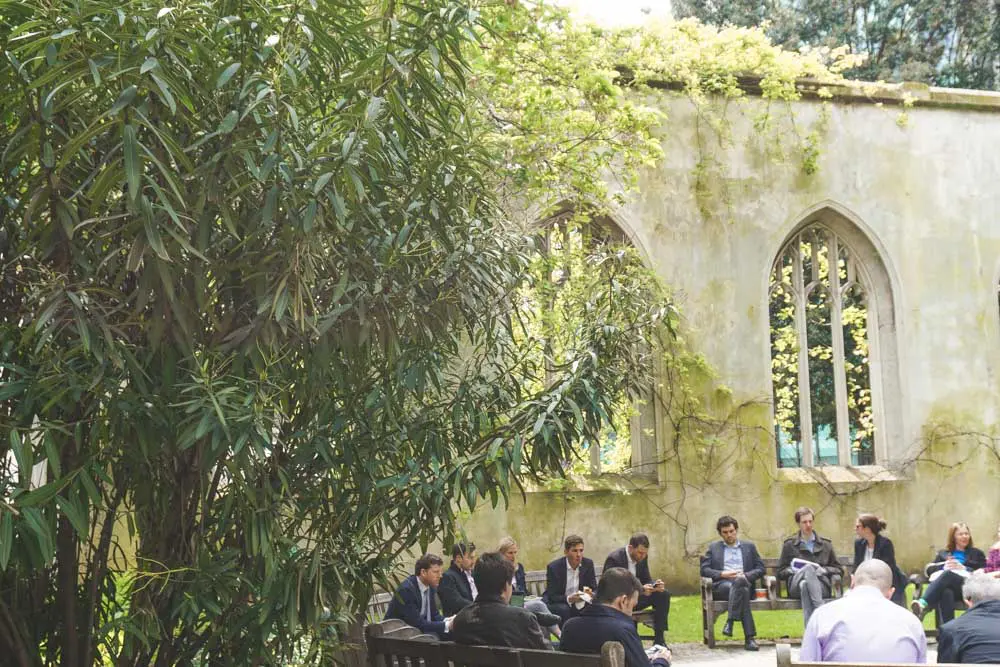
x=783, y=653
x=393, y=643
x=534, y=582
x=712, y=609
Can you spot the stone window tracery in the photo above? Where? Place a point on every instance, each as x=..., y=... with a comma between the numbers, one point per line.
x=822, y=329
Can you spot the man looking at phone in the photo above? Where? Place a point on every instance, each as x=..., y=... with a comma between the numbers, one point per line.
x=609, y=619
x=634, y=558
x=569, y=581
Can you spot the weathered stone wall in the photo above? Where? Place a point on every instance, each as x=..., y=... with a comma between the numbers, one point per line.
x=710, y=220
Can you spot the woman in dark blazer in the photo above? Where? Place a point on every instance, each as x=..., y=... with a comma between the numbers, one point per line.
x=946, y=573
x=872, y=544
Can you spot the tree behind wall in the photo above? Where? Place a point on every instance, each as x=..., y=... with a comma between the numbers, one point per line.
x=259, y=315
x=953, y=43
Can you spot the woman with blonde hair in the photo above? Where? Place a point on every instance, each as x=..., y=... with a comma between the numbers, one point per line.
x=948, y=572
x=508, y=549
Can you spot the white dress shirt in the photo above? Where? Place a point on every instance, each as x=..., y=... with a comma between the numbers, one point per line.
x=425, y=600
x=472, y=585
x=573, y=582
x=631, y=563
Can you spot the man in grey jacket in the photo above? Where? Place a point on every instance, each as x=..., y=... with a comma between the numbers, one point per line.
x=808, y=564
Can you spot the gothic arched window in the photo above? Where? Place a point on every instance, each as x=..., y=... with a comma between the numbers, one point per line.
x=825, y=365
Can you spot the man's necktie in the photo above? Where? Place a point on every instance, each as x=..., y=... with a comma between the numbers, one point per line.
x=427, y=604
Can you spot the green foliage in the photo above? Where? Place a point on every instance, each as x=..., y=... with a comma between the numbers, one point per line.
x=259, y=322
x=264, y=323
x=571, y=104
x=953, y=44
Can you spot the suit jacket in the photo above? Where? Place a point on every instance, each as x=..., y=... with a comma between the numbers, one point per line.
x=885, y=552
x=454, y=589
x=490, y=621
x=714, y=561
x=974, y=559
x=598, y=623
x=973, y=637
x=406, y=603
x=521, y=587
x=555, y=579
x=823, y=555
x=619, y=558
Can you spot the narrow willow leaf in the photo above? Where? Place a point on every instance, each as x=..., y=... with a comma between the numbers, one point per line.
x=77, y=515
x=124, y=99
x=149, y=64
x=226, y=75
x=133, y=161
x=6, y=538
x=229, y=122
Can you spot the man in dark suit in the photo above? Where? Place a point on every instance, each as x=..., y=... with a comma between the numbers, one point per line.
x=414, y=601
x=609, y=619
x=973, y=637
x=457, y=589
x=569, y=581
x=490, y=620
x=633, y=558
x=733, y=565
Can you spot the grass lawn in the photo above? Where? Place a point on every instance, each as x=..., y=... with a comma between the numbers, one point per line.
x=685, y=621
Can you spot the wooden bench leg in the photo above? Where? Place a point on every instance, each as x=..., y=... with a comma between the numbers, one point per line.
x=708, y=623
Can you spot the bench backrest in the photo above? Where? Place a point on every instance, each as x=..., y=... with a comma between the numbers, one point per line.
x=783, y=653
x=393, y=643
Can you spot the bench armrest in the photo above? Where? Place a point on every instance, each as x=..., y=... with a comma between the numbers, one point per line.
x=837, y=586
x=771, y=584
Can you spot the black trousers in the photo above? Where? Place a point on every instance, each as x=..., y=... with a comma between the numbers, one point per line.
x=738, y=591
x=943, y=592
x=563, y=610
x=660, y=602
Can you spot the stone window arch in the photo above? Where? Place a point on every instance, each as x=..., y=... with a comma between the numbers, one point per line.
x=566, y=232
x=834, y=368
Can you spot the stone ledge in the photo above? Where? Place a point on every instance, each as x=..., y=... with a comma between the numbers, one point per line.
x=608, y=483
x=919, y=95
x=875, y=474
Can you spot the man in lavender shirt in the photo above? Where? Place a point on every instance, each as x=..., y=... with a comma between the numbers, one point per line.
x=864, y=625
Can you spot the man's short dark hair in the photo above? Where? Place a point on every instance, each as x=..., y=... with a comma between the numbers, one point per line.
x=801, y=512
x=571, y=541
x=492, y=573
x=727, y=520
x=638, y=540
x=426, y=562
x=615, y=582
x=463, y=549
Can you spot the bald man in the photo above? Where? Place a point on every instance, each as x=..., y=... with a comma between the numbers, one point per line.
x=864, y=625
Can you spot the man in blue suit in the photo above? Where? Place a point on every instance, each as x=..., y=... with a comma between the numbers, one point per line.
x=569, y=581
x=458, y=589
x=733, y=565
x=609, y=619
x=414, y=601
x=633, y=558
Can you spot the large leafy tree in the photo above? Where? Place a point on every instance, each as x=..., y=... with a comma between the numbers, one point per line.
x=267, y=319
x=260, y=324
x=954, y=43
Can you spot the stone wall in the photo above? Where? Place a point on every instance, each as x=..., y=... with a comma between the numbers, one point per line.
x=710, y=220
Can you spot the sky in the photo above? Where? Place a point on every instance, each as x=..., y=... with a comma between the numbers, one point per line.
x=618, y=12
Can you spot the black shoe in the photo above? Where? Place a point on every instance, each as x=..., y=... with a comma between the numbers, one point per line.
x=727, y=629
x=750, y=644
